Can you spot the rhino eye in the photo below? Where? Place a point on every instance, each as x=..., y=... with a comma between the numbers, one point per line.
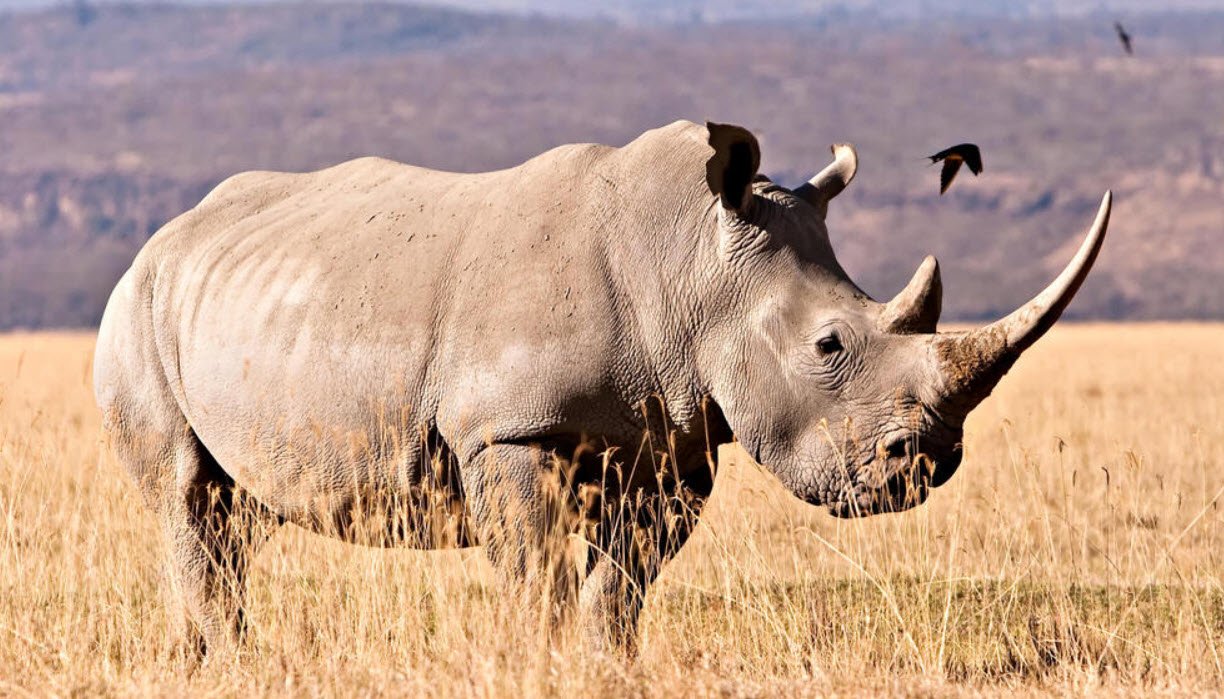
x=829, y=344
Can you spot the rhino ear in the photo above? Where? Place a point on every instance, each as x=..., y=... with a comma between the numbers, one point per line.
x=830, y=181
x=729, y=172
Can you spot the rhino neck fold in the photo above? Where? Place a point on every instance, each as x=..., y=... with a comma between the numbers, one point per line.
x=660, y=286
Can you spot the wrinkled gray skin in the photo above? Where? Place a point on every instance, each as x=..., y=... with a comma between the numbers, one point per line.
x=376, y=335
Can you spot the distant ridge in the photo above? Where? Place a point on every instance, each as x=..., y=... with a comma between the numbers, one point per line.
x=116, y=121
x=697, y=11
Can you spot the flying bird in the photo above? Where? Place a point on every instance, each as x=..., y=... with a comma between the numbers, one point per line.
x=1124, y=38
x=952, y=158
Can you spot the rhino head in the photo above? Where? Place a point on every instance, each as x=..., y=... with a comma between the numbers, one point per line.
x=853, y=404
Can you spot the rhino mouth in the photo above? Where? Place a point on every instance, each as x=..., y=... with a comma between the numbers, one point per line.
x=896, y=478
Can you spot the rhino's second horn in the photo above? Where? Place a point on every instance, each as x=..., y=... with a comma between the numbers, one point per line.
x=916, y=309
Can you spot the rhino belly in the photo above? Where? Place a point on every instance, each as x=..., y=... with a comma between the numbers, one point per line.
x=327, y=455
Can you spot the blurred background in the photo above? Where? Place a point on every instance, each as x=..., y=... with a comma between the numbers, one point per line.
x=115, y=117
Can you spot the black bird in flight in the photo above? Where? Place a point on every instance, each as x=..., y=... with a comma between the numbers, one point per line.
x=966, y=153
x=1124, y=38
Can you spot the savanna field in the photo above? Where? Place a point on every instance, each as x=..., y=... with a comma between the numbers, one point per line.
x=1079, y=549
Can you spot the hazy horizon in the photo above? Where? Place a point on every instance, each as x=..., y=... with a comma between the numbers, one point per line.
x=118, y=119
x=689, y=11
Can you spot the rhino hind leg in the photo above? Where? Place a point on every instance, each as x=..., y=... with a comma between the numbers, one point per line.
x=213, y=532
x=211, y=529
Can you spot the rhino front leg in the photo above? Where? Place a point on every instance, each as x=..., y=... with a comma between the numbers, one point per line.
x=631, y=551
x=522, y=513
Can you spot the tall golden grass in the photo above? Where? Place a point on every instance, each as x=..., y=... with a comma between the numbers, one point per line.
x=1078, y=549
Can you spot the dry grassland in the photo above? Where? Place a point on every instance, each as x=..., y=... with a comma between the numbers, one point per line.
x=1079, y=549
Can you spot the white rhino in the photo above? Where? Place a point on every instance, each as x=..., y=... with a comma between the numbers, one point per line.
x=395, y=355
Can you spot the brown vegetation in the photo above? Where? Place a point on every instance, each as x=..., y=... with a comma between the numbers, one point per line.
x=1076, y=550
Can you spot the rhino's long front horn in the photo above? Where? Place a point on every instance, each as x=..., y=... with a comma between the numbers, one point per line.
x=830, y=181
x=974, y=362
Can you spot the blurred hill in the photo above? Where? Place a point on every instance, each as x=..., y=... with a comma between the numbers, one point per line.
x=697, y=11
x=117, y=117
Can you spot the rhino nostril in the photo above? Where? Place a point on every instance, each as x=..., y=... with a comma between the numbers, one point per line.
x=914, y=463
x=898, y=448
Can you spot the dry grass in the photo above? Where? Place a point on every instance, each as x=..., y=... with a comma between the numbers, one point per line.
x=1076, y=550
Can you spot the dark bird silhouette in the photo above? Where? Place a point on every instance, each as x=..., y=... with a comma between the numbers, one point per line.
x=952, y=158
x=1124, y=38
